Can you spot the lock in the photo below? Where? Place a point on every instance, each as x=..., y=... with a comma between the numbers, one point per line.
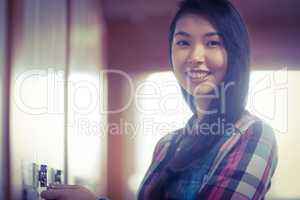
x=57, y=176
x=43, y=176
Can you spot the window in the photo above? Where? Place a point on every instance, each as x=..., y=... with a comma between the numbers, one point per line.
x=272, y=97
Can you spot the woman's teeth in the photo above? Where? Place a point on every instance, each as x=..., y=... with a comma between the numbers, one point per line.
x=198, y=75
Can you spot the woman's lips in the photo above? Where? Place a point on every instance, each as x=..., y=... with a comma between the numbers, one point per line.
x=197, y=76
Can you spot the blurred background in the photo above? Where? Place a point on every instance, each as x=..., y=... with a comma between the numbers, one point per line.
x=87, y=90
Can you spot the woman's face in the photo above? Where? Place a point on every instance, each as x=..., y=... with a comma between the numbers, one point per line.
x=198, y=55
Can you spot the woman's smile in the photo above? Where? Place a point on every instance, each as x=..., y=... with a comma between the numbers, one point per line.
x=197, y=75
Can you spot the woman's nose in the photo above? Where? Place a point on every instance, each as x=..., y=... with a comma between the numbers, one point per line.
x=197, y=55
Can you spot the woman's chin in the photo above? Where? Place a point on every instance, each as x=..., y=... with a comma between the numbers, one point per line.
x=202, y=91
x=200, y=88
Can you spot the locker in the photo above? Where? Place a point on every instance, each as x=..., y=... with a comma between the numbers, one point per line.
x=56, y=62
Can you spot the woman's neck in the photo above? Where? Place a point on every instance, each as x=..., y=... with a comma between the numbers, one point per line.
x=202, y=107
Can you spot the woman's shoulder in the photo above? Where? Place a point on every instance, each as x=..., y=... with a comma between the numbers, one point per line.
x=253, y=127
x=166, y=140
x=248, y=161
x=259, y=145
x=250, y=123
x=164, y=143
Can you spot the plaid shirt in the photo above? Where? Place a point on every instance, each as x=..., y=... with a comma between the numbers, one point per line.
x=241, y=169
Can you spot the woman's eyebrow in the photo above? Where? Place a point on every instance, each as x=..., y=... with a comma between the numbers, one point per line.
x=182, y=33
x=209, y=34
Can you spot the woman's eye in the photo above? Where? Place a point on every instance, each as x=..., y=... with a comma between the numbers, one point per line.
x=182, y=43
x=213, y=43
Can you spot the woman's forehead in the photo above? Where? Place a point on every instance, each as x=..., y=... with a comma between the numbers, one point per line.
x=194, y=24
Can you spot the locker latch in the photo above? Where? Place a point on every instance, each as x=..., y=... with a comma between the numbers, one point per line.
x=43, y=176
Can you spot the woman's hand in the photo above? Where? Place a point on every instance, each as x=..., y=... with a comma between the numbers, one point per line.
x=67, y=192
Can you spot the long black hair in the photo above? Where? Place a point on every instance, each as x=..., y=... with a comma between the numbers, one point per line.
x=228, y=22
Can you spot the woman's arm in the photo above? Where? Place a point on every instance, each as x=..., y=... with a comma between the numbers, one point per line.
x=245, y=173
x=77, y=192
x=68, y=192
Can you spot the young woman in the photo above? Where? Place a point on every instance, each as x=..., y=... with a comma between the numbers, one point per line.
x=223, y=152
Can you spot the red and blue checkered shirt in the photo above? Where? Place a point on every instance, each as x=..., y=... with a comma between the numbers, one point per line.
x=240, y=166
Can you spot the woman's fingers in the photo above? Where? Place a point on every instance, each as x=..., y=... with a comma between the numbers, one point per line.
x=52, y=194
x=67, y=192
x=63, y=186
x=57, y=191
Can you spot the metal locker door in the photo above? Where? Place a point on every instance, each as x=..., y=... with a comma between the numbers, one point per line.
x=37, y=92
x=86, y=124
x=3, y=102
x=57, y=58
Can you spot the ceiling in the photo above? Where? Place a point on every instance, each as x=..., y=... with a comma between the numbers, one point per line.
x=254, y=10
x=274, y=27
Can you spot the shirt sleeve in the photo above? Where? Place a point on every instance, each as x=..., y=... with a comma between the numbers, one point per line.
x=159, y=151
x=245, y=173
x=158, y=155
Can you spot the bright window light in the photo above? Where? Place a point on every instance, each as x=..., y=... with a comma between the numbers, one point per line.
x=273, y=97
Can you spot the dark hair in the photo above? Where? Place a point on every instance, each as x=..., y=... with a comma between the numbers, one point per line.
x=229, y=23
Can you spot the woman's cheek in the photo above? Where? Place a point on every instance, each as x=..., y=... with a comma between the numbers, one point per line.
x=217, y=58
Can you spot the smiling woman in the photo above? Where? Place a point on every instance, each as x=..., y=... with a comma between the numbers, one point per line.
x=209, y=51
